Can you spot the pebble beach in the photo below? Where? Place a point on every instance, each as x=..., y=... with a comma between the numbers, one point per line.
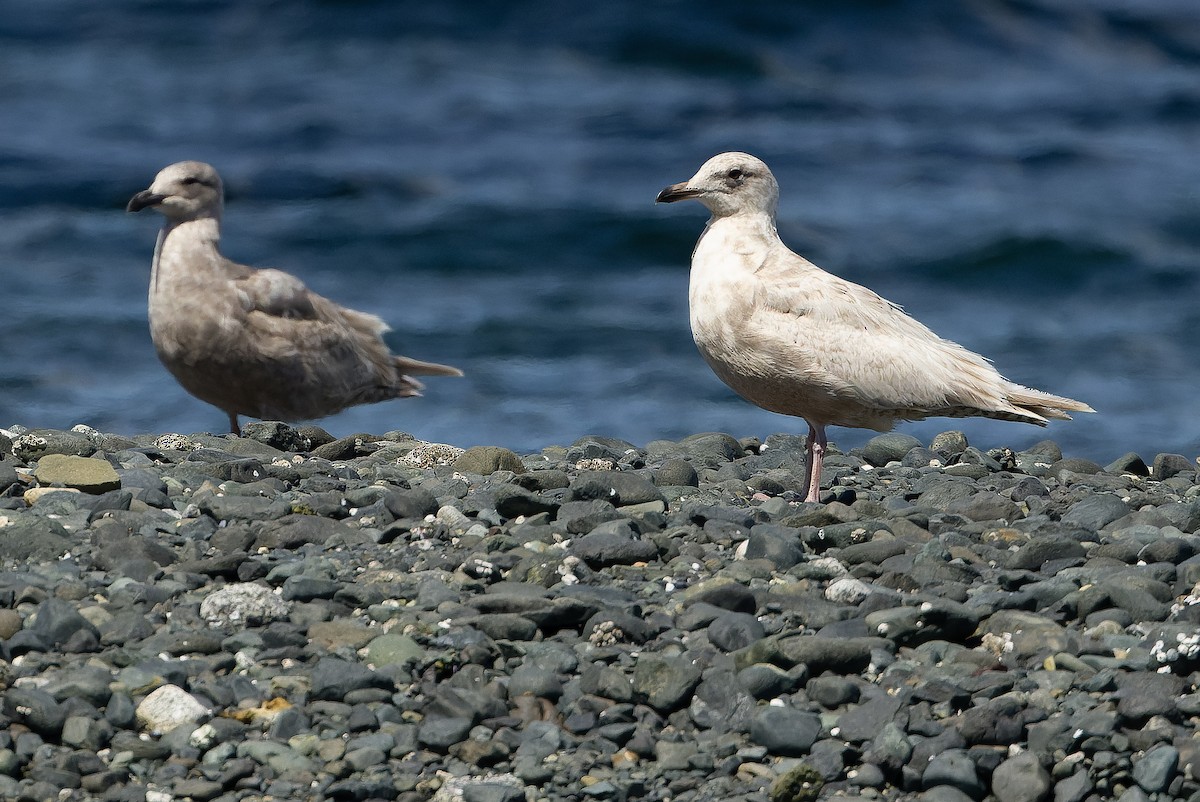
x=289, y=616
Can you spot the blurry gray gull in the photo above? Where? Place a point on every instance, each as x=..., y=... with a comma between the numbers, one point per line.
x=794, y=339
x=256, y=342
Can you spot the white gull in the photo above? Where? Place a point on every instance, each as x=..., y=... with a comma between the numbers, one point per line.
x=794, y=339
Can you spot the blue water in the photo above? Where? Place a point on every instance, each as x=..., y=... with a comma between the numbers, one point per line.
x=1022, y=176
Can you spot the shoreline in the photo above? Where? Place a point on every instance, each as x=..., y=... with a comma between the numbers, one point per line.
x=292, y=616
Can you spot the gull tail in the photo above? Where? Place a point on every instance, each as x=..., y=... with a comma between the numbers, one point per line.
x=415, y=366
x=1044, y=405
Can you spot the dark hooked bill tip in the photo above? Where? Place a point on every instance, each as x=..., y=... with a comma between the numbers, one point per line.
x=676, y=192
x=143, y=199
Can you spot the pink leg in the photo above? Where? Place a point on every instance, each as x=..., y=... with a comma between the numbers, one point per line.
x=816, y=456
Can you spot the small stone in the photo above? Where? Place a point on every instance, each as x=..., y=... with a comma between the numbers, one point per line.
x=242, y=604
x=502, y=626
x=1156, y=768
x=620, y=488
x=949, y=444
x=732, y=631
x=196, y=788
x=431, y=455
x=784, y=730
x=486, y=460
x=412, y=503
x=831, y=692
x=277, y=435
x=780, y=545
x=666, y=683
x=1129, y=463
x=169, y=707
x=1075, y=465
x=1074, y=788
x=340, y=633
x=581, y=517
x=676, y=473
x=712, y=448
x=890, y=447
x=333, y=678
x=10, y=764
x=765, y=681
x=82, y=473
x=848, y=590
x=866, y=720
x=480, y=753
x=393, y=649
x=1021, y=778
x=1168, y=465
x=607, y=681
x=37, y=443
x=37, y=709
x=306, y=588
x=512, y=501
x=944, y=793
x=1050, y=548
x=802, y=783
x=10, y=623
x=954, y=767
x=1142, y=694
x=674, y=755
x=1096, y=511
x=57, y=621
x=281, y=758
x=534, y=681
x=488, y=788
x=987, y=506
x=440, y=733
x=600, y=549
x=723, y=592
x=1027, y=488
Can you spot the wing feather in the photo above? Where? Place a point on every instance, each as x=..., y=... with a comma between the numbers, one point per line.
x=866, y=347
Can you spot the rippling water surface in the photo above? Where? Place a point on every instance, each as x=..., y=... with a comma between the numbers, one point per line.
x=1024, y=177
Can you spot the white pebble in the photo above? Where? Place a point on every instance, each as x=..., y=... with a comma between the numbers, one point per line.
x=169, y=707
x=848, y=590
x=241, y=603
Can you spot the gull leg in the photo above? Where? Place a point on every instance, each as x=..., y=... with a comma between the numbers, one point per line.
x=816, y=456
x=233, y=424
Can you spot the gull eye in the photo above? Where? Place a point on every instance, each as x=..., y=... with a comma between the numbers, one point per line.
x=735, y=174
x=191, y=179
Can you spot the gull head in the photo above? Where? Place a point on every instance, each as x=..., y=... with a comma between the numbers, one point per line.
x=729, y=184
x=182, y=191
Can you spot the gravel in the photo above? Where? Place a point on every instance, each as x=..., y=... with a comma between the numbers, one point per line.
x=287, y=615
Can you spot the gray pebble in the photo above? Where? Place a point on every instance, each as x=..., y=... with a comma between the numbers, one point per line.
x=664, y=683
x=676, y=473
x=1156, y=768
x=765, y=681
x=954, y=768
x=535, y=681
x=732, y=631
x=891, y=447
x=1021, y=778
x=334, y=679
x=831, y=692
x=1096, y=512
x=785, y=731
x=1168, y=465
x=425, y=621
x=945, y=793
